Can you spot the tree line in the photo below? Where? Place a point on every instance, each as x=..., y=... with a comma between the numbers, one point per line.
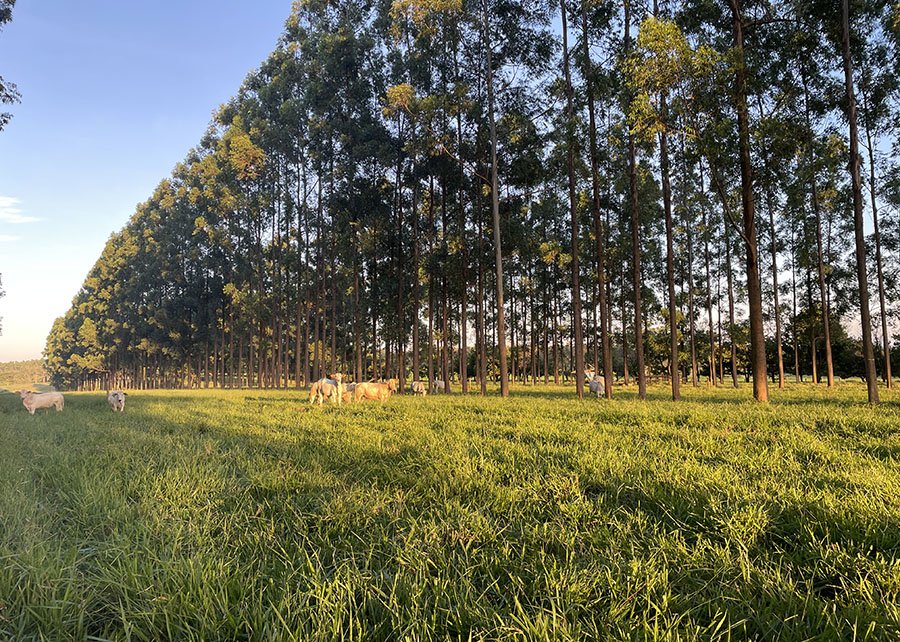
x=515, y=191
x=9, y=94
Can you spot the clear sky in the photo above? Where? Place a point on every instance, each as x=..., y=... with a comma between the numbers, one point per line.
x=114, y=93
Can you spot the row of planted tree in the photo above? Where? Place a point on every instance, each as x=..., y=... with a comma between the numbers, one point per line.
x=498, y=190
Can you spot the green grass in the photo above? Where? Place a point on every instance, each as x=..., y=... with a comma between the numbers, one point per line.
x=248, y=515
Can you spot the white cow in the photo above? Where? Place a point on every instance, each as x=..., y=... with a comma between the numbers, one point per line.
x=595, y=385
x=438, y=387
x=418, y=388
x=116, y=400
x=325, y=388
x=34, y=400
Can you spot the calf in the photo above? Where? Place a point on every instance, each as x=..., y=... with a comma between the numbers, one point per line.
x=418, y=388
x=34, y=400
x=116, y=400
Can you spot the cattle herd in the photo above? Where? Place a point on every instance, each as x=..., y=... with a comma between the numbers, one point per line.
x=331, y=388
x=37, y=400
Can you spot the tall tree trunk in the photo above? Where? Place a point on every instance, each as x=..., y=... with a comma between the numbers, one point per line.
x=709, y=308
x=401, y=276
x=670, y=257
x=624, y=332
x=430, y=285
x=775, y=293
x=555, y=339
x=445, y=299
x=820, y=258
x=464, y=260
x=731, y=322
x=691, y=312
x=797, y=375
x=635, y=235
x=416, y=296
x=754, y=290
x=812, y=331
x=479, y=301
x=599, y=233
x=573, y=212
x=495, y=203
x=865, y=319
x=886, y=339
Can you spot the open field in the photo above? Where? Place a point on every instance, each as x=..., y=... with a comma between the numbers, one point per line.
x=247, y=515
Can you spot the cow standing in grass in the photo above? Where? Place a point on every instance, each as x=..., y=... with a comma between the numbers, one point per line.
x=375, y=391
x=35, y=400
x=116, y=400
x=326, y=388
x=418, y=388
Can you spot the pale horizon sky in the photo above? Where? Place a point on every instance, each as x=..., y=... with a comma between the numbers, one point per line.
x=114, y=94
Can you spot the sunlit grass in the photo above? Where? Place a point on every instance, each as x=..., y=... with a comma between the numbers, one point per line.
x=250, y=515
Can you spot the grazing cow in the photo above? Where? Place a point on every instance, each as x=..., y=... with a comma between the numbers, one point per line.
x=34, y=400
x=116, y=400
x=375, y=391
x=438, y=387
x=418, y=388
x=325, y=388
x=595, y=385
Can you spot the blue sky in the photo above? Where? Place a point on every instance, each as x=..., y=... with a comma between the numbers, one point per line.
x=114, y=93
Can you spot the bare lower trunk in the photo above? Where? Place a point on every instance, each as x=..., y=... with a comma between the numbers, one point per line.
x=885, y=337
x=865, y=319
x=635, y=237
x=754, y=289
x=495, y=203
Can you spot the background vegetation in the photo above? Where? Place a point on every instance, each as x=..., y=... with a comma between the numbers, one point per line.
x=506, y=190
x=15, y=375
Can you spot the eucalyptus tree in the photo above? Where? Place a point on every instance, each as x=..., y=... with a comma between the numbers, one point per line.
x=9, y=94
x=879, y=91
x=597, y=17
x=662, y=65
x=636, y=276
x=573, y=207
x=856, y=181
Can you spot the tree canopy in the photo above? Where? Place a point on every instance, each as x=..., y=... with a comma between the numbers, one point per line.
x=517, y=191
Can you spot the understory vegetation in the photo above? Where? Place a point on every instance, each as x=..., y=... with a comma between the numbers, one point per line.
x=251, y=515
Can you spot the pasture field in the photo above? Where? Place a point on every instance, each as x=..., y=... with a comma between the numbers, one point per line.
x=248, y=515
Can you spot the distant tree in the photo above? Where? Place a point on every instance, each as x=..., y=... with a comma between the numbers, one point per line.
x=9, y=95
